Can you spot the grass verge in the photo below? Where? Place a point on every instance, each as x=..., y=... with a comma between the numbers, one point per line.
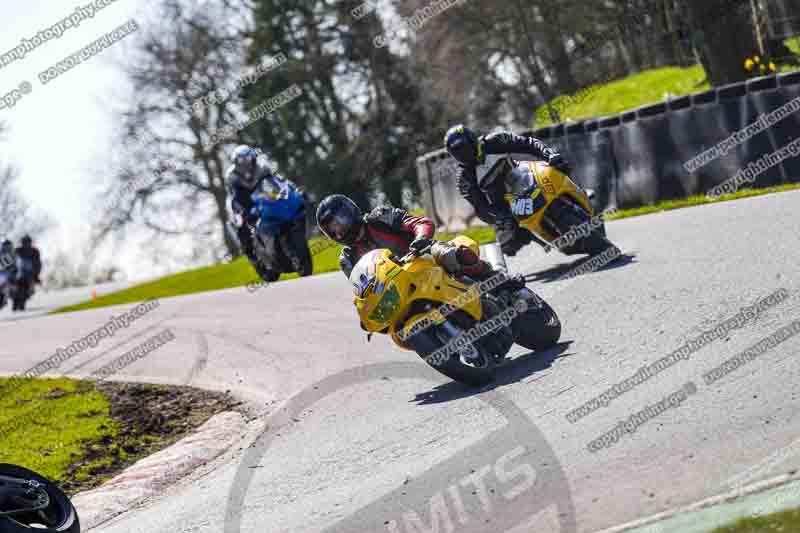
x=636, y=90
x=627, y=93
x=782, y=521
x=239, y=272
x=82, y=433
x=668, y=205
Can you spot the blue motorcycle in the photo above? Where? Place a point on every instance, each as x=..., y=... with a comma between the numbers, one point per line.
x=281, y=212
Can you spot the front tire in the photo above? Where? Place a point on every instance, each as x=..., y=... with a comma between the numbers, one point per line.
x=58, y=517
x=426, y=343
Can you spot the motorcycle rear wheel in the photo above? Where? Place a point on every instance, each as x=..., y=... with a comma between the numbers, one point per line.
x=18, y=303
x=566, y=215
x=304, y=255
x=58, y=517
x=538, y=328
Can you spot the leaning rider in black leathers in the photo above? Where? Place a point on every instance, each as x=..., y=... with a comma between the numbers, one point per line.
x=29, y=253
x=245, y=174
x=485, y=164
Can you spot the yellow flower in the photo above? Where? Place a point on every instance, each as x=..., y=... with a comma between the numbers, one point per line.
x=772, y=66
x=757, y=60
x=748, y=64
x=762, y=68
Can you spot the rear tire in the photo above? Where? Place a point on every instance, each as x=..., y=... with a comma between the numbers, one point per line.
x=299, y=257
x=63, y=517
x=306, y=261
x=566, y=216
x=18, y=304
x=538, y=328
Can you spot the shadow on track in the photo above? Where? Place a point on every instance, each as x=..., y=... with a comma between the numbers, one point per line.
x=511, y=371
x=554, y=273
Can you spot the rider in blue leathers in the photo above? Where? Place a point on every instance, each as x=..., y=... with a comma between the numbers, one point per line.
x=245, y=174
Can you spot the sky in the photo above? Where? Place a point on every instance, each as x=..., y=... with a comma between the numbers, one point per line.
x=60, y=134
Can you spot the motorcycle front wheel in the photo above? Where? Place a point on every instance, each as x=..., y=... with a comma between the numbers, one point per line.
x=58, y=517
x=477, y=370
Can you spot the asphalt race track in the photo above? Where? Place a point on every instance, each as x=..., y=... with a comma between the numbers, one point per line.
x=364, y=437
x=43, y=302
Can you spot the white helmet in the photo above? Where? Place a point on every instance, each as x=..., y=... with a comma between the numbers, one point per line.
x=245, y=163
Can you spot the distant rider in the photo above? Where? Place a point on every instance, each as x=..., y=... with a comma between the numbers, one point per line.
x=30, y=258
x=243, y=177
x=8, y=259
x=341, y=220
x=485, y=165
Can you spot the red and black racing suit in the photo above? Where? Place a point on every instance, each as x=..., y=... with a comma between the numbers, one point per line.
x=393, y=228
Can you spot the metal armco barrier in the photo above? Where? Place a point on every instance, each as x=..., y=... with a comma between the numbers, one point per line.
x=637, y=157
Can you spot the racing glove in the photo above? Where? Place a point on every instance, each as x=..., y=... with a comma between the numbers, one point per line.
x=558, y=162
x=252, y=216
x=511, y=247
x=506, y=229
x=419, y=244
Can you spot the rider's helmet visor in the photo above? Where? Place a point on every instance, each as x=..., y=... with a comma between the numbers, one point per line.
x=246, y=168
x=338, y=227
x=463, y=151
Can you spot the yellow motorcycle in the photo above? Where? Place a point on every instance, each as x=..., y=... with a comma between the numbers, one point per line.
x=459, y=326
x=555, y=209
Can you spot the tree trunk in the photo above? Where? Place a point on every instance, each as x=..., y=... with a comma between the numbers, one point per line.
x=551, y=35
x=723, y=36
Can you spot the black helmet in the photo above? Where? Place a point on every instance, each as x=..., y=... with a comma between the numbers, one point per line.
x=339, y=218
x=27, y=241
x=462, y=143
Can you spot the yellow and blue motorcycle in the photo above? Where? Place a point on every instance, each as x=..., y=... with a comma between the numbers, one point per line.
x=460, y=327
x=556, y=210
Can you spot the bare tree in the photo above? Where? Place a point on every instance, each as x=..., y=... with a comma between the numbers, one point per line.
x=171, y=180
x=17, y=217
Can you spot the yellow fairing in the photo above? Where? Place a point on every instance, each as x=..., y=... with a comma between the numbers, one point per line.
x=552, y=184
x=389, y=298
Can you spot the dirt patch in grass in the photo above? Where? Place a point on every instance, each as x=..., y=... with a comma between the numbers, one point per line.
x=147, y=418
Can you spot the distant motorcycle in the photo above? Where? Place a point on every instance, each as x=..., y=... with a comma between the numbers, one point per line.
x=281, y=213
x=549, y=204
x=5, y=287
x=22, y=289
x=31, y=503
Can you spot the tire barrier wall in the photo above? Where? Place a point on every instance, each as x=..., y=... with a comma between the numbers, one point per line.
x=637, y=157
